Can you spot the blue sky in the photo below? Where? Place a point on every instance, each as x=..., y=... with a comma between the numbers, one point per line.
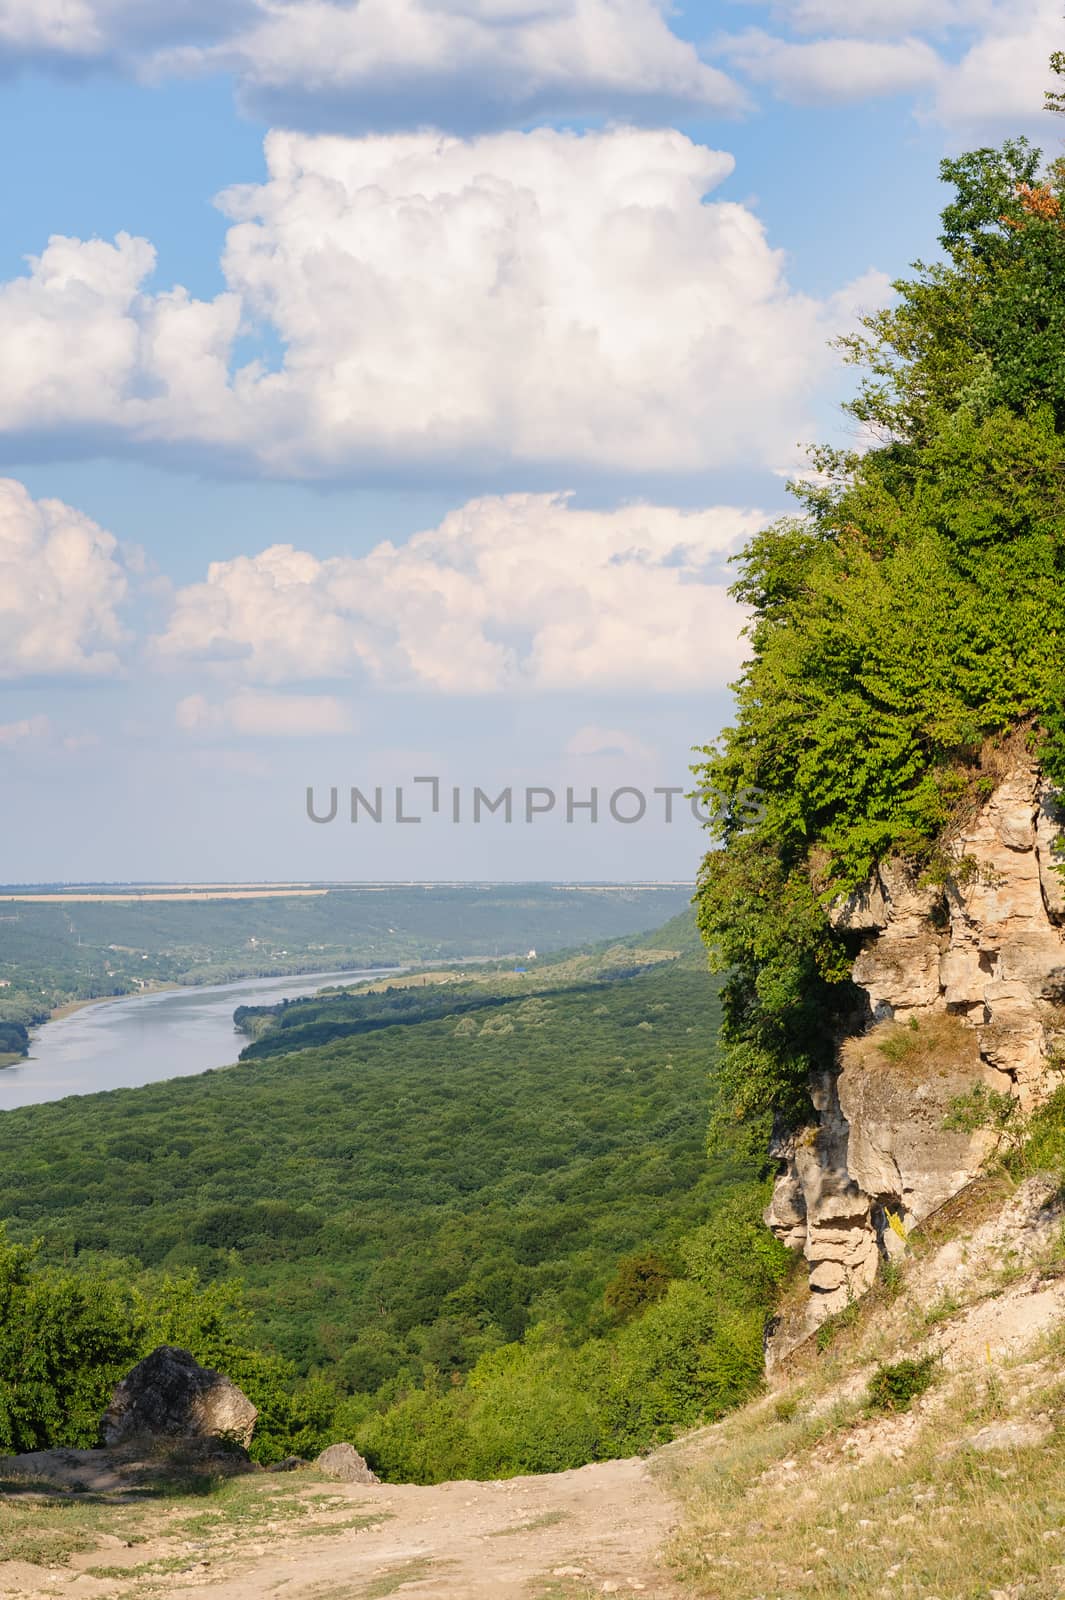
x=387, y=385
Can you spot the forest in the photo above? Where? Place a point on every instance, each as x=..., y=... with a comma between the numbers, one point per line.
x=484, y=1237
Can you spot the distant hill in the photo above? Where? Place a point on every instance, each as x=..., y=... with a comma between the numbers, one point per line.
x=55, y=951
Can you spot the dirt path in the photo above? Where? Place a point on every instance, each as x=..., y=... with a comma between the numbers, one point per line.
x=572, y=1535
x=601, y=1524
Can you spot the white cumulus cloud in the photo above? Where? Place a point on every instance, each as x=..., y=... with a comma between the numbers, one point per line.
x=510, y=592
x=61, y=587
x=999, y=81
x=387, y=63
x=521, y=298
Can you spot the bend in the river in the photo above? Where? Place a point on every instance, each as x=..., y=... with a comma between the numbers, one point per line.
x=140, y=1039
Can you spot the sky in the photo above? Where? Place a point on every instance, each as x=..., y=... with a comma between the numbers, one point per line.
x=387, y=385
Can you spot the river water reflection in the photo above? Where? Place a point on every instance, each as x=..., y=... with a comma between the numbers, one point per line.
x=145, y=1038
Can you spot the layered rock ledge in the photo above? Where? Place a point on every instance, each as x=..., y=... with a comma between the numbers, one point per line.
x=966, y=987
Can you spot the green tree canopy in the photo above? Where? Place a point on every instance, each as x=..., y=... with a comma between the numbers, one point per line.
x=911, y=613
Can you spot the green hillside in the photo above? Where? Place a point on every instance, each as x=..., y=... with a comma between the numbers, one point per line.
x=404, y=1204
x=50, y=954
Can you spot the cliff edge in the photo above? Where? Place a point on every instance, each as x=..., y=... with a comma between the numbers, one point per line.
x=965, y=984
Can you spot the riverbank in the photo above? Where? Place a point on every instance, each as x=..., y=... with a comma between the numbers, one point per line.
x=69, y=1007
x=249, y=975
x=164, y=1031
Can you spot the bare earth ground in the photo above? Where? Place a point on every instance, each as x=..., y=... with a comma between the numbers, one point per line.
x=596, y=1530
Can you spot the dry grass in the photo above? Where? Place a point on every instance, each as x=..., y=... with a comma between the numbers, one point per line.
x=880, y=1526
x=46, y=1527
x=922, y=1048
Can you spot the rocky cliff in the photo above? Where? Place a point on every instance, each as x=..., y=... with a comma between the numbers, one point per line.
x=966, y=987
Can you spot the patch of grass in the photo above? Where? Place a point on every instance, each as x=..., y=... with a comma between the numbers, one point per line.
x=47, y=1528
x=894, y=1387
x=241, y=1503
x=566, y=1589
x=925, y=1047
x=989, y=1401
x=349, y=1525
x=147, y=1569
x=964, y=1212
x=1044, y=1144
x=942, y=1310
x=47, y=1546
x=835, y=1324
x=893, y=1275
x=546, y=1519
x=387, y=1583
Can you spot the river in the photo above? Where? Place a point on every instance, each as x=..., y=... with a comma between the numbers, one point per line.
x=119, y=1044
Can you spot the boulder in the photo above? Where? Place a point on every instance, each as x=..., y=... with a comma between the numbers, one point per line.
x=344, y=1463
x=170, y=1396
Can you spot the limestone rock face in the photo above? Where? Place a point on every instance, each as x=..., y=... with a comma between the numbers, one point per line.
x=976, y=969
x=344, y=1463
x=899, y=1153
x=1049, y=827
x=169, y=1395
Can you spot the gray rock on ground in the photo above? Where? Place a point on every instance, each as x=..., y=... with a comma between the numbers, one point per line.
x=1020, y=1435
x=170, y=1396
x=344, y=1463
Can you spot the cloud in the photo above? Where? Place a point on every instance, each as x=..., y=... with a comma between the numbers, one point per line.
x=12, y=733
x=472, y=65
x=68, y=35
x=85, y=348
x=61, y=587
x=255, y=714
x=463, y=64
x=508, y=593
x=459, y=64
x=443, y=306
x=1000, y=80
x=975, y=66
x=871, y=19
x=836, y=71
x=598, y=742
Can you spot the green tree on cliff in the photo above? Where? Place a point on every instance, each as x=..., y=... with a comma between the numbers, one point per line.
x=912, y=613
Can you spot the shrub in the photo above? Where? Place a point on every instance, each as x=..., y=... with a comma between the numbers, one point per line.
x=892, y=1388
x=639, y=1281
